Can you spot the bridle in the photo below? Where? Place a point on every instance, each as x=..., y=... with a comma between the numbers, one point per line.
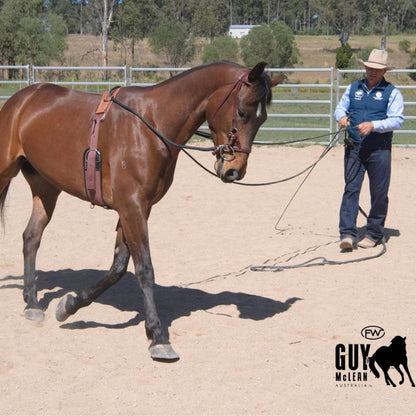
x=227, y=151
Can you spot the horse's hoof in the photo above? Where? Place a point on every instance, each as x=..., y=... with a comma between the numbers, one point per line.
x=61, y=313
x=34, y=314
x=163, y=352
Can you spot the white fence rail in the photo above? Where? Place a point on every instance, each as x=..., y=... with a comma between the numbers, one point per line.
x=328, y=88
x=80, y=76
x=97, y=79
x=22, y=79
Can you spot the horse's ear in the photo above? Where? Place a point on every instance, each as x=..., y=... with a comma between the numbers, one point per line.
x=277, y=79
x=257, y=72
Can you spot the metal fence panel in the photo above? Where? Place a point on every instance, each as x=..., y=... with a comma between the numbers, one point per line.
x=12, y=78
x=91, y=78
x=312, y=103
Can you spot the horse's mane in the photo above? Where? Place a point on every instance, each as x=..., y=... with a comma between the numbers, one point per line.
x=263, y=87
x=199, y=68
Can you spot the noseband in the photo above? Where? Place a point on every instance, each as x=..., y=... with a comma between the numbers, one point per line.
x=227, y=151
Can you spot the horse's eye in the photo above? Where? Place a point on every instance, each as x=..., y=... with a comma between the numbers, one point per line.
x=241, y=113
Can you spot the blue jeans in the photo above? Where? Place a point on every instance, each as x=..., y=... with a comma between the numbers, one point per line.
x=377, y=163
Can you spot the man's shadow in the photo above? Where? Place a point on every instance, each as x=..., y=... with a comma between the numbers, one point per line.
x=173, y=302
x=388, y=233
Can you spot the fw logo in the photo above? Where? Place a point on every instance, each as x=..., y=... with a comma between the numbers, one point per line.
x=372, y=332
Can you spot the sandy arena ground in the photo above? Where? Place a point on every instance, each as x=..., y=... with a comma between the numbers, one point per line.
x=251, y=343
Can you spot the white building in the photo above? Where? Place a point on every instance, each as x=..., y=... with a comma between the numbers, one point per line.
x=238, y=31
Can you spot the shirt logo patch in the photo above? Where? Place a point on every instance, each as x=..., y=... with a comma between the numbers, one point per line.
x=378, y=96
x=358, y=95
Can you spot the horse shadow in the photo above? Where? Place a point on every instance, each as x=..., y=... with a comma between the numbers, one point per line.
x=173, y=302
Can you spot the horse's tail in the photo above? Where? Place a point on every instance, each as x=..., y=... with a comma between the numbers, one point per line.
x=373, y=368
x=2, y=203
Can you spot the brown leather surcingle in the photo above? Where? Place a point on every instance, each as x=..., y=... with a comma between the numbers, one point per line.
x=92, y=155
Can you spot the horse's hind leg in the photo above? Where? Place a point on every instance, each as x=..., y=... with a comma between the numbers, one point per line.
x=44, y=202
x=69, y=304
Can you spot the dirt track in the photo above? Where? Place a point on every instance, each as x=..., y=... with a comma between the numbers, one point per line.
x=250, y=342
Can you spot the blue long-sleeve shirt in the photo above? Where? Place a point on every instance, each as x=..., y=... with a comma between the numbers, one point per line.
x=394, y=115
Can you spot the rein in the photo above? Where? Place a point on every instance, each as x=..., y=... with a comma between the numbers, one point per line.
x=156, y=132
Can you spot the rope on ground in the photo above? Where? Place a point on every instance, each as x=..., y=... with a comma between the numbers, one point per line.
x=317, y=261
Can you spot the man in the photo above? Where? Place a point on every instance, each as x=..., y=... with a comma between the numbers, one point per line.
x=371, y=109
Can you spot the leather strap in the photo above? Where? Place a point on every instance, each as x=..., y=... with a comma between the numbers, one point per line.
x=92, y=155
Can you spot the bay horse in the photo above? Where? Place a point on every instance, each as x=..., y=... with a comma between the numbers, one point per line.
x=45, y=128
x=393, y=355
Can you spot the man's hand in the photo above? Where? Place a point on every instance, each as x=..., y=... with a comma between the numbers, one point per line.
x=365, y=128
x=343, y=122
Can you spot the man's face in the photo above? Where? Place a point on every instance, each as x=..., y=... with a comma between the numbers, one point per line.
x=374, y=76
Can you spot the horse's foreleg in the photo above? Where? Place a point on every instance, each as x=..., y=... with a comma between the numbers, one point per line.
x=397, y=367
x=69, y=304
x=387, y=377
x=408, y=372
x=44, y=202
x=135, y=228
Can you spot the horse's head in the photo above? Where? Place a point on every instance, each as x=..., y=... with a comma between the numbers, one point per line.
x=235, y=113
x=398, y=341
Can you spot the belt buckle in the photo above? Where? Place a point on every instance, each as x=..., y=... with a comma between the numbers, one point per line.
x=349, y=143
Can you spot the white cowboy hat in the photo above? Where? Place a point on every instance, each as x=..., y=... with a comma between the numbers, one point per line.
x=377, y=59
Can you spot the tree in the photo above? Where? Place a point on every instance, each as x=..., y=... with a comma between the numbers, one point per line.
x=104, y=10
x=412, y=65
x=30, y=33
x=71, y=11
x=222, y=48
x=274, y=44
x=172, y=39
x=341, y=16
x=211, y=19
x=182, y=10
x=404, y=45
x=133, y=21
x=343, y=57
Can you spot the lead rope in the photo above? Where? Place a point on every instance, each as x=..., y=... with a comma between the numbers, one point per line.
x=320, y=260
x=333, y=142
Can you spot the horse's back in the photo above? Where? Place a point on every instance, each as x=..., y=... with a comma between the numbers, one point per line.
x=34, y=105
x=49, y=126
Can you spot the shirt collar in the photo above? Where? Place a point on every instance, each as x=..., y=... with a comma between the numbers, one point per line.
x=366, y=89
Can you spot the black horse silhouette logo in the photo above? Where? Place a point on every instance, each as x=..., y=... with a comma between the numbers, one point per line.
x=393, y=355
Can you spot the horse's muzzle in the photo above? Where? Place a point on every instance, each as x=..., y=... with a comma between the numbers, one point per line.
x=231, y=175
x=228, y=174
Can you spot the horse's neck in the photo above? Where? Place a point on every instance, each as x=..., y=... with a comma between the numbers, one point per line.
x=398, y=348
x=191, y=93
